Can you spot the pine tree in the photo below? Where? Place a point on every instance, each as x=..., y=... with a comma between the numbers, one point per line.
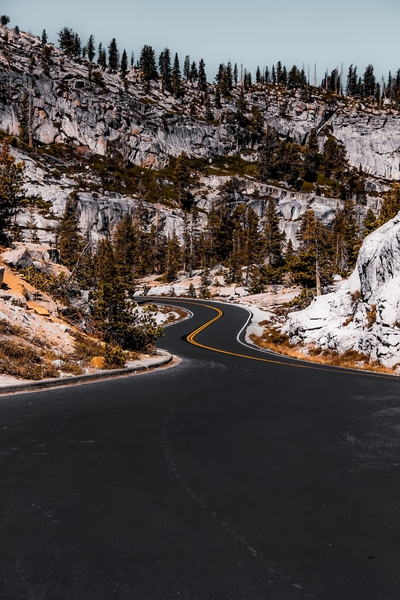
x=44, y=37
x=91, y=53
x=70, y=239
x=312, y=157
x=164, y=63
x=147, y=63
x=69, y=41
x=173, y=257
x=370, y=222
x=218, y=104
x=101, y=56
x=124, y=64
x=235, y=74
x=273, y=237
x=346, y=236
x=23, y=116
x=186, y=68
x=113, y=55
x=127, y=253
x=193, y=73
x=266, y=163
x=4, y=20
x=316, y=264
x=112, y=310
x=369, y=82
x=202, y=79
x=182, y=177
x=333, y=157
x=390, y=206
x=11, y=189
x=176, y=77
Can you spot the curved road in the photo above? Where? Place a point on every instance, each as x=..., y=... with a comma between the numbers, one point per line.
x=225, y=477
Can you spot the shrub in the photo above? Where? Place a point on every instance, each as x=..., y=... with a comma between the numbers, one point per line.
x=114, y=357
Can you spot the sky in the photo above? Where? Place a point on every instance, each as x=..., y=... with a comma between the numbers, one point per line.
x=248, y=32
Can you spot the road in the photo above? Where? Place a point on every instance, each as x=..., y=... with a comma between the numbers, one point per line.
x=224, y=477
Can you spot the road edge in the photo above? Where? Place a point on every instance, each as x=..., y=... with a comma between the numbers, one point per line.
x=161, y=361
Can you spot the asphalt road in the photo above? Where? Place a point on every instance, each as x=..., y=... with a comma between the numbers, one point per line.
x=225, y=478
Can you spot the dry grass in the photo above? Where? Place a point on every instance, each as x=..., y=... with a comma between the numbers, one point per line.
x=87, y=348
x=273, y=340
x=20, y=360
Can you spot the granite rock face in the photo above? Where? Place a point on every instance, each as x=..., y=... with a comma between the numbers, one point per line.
x=364, y=314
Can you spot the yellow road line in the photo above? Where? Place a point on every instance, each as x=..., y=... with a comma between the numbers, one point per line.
x=191, y=340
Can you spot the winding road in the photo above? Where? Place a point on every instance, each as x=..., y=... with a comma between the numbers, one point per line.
x=236, y=475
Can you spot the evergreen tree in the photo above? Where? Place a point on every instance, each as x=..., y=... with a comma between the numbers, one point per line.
x=267, y=154
x=186, y=68
x=127, y=253
x=173, y=257
x=312, y=157
x=333, y=157
x=370, y=222
x=112, y=310
x=218, y=104
x=4, y=20
x=69, y=42
x=101, y=56
x=113, y=55
x=273, y=237
x=369, y=82
x=44, y=37
x=147, y=63
x=164, y=63
x=23, y=116
x=202, y=79
x=182, y=177
x=132, y=60
x=193, y=73
x=315, y=266
x=346, y=236
x=70, y=239
x=176, y=77
x=290, y=257
x=235, y=74
x=11, y=189
x=124, y=64
x=390, y=206
x=352, y=79
x=91, y=53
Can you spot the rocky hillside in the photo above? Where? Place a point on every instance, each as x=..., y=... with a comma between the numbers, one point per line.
x=93, y=132
x=98, y=112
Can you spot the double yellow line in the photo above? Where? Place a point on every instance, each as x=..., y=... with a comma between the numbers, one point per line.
x=191, y=339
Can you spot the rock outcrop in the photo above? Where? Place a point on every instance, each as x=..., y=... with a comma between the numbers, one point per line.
x=364, y=314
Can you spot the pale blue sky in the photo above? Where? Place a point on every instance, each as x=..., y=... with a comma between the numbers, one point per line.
x=251, y=32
